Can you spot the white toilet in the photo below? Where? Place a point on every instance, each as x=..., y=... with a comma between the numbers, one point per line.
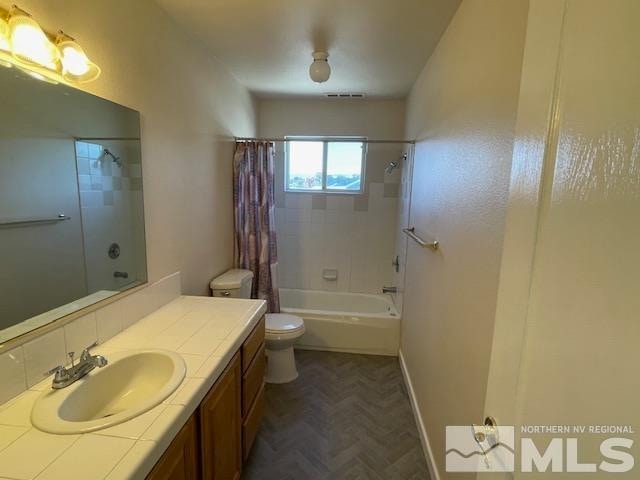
x=233, y=283
x=281, y=331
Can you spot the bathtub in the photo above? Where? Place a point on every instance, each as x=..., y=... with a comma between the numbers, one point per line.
x=344, y=322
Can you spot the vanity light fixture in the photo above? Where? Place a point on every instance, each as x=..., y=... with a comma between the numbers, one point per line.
x=76, y=66
x=5, y=46
x=29, y=44
x=4, y=36
x=24, y=44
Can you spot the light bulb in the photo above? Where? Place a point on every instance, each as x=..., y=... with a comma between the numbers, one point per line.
x=29, y=43
x=76, y=66
x=320, y=71
x=74, y=61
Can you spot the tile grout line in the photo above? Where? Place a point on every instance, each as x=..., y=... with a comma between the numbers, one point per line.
x=17, y=438
x=125, y=454
x=57, y=457
x=120, y=459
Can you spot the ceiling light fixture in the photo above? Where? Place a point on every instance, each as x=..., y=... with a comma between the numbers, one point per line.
x=320, y=71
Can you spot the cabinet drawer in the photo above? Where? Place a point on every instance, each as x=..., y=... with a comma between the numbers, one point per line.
x=251, y=423
x=252, y=380
x=252, y=344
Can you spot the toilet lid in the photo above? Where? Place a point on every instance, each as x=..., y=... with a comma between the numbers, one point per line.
x=282, y=322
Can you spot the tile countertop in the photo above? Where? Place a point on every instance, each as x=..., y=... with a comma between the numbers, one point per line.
x=205, y=331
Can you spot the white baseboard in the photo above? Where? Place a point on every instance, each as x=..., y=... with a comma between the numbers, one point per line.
x=422, y=431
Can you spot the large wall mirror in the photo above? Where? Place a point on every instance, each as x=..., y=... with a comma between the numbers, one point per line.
x=71, y=209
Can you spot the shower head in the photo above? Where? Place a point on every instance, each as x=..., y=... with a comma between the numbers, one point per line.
x=391, y=167
x=116, y=160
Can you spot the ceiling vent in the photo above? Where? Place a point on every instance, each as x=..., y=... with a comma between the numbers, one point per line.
x=345, y=95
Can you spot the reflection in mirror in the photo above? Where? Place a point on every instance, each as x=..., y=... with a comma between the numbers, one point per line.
x=71, y=209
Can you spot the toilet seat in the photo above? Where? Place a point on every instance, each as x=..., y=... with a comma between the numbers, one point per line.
x=283, y=325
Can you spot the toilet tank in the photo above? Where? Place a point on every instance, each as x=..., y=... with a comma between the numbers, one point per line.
x=234, y=283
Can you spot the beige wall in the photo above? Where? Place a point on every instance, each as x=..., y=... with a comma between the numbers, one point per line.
x=190, y=108
x=463, y=109
x=350, y=233
x=373, y=118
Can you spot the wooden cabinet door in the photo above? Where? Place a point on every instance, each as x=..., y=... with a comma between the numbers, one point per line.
x=180, y=460
x=220, y=426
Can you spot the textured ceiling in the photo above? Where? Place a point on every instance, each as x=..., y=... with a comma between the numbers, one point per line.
x=375, y=46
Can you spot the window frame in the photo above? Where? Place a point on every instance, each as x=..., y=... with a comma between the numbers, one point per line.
x=325, y=143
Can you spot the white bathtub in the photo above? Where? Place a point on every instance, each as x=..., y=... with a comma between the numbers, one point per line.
x=344, y=322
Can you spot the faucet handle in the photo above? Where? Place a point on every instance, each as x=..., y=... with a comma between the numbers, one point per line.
x=59, y=371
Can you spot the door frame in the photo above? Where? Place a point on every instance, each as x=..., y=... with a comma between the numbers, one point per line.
x=534, y=152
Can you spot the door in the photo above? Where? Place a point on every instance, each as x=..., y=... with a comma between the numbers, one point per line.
x=567, y=326
x=220, y=426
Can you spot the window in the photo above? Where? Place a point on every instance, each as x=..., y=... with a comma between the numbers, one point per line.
x=330, y=165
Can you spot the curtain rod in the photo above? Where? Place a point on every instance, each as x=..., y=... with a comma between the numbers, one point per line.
x=127, y=139
x=320, y=139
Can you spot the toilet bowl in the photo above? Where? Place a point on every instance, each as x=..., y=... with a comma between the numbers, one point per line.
x=281, y=333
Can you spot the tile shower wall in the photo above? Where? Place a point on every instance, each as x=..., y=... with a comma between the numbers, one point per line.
x=22, y=367
x=353, y=234
x=111, y=202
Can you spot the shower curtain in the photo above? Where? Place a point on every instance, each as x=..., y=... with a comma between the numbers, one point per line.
x=255, y=229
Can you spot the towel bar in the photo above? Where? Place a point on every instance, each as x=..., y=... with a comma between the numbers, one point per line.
x=411, y=233
x=34, y=221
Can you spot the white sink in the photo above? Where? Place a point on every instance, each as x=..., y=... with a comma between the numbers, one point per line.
x=132, y=383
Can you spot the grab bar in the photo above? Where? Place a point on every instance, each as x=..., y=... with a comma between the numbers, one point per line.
x=411, y=233
x=33, y=221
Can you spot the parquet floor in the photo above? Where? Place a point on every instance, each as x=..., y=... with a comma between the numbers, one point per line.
x=346, y=417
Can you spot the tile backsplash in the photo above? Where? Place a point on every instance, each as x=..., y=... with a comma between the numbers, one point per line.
x=23, y=366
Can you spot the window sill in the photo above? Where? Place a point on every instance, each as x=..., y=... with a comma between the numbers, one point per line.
x=326, y=192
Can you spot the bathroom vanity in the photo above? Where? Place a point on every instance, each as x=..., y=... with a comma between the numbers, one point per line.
x=219, y=435
x=204, y=429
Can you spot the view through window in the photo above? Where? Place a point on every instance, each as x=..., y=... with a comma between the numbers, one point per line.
x=325, y=165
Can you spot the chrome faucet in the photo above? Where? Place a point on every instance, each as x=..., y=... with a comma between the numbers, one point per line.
x=389, y=290
x=66, y=376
